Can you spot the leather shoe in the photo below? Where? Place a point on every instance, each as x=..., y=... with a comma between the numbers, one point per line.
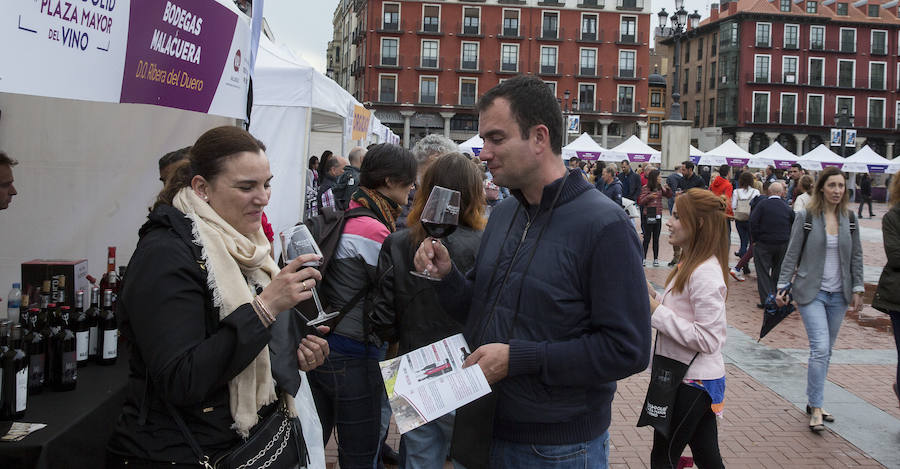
x=825, y=415
x=815, y=420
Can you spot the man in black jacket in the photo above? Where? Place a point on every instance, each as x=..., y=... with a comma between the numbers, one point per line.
x=865, y=194
x=631, y=182
x=770, y=230
x=328, y=174
x=689, y=179
x=549, y=337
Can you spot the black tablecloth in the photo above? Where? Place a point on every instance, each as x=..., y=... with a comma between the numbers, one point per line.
x=79, y=422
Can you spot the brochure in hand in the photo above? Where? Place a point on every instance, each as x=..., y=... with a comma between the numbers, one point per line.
x=430, y=382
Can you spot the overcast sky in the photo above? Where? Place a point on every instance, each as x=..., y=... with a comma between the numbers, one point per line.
x=305, y=25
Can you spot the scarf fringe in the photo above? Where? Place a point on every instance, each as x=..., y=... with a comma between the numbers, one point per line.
x=210, y=272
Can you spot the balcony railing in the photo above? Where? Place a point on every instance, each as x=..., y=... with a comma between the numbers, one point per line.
x=628, y=73
x=392, y=62
x=508, y=33
x=592, y=36
x=765, y=43
x=629, y=38
x=430, y=99
x=550, y=34
x=507, y=67
x=431, y=28
x=429, y=63
x=592, y=4
x=792, y=45
x=633, y=5
x=879, y=50
x=587, y=72
x=550, y=70
x=396, y=27
x=468, y=66
x=463, y=30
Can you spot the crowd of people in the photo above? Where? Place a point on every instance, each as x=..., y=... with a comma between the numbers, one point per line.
x=540, y=278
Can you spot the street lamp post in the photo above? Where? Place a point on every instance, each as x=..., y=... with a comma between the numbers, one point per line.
x=566, y=96
x=677, y=31
x=843, y=121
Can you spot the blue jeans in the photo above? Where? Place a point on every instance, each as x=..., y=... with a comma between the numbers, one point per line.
x=592, y=454
x=427, y=447
x=348, y=392
x=743, y=229
x=822, y=318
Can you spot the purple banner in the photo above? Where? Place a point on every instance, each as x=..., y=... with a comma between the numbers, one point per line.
x=836, y=165
x=639, y=157
x=588, y=155
x=784, y=164
x=737, y=162
x=177, y=50
x=877, y=168
x=695, y=159
x=477, y=151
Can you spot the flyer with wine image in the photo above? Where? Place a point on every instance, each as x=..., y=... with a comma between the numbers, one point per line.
x=430, y=382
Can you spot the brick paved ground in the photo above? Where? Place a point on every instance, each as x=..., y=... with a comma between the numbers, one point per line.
x=761, y=429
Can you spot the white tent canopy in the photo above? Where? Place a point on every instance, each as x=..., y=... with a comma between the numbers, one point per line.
x=775, y=155
x=819, y=158
x=583, y=147
x=703, y=159
x=472, y=145
x=866, y=161
x=729, y=152
x=634, y=150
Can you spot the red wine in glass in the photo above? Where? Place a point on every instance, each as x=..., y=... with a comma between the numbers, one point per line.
x=440, y=217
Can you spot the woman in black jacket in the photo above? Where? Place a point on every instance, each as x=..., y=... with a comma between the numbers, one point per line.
x=198, y=309
x=406, y=307
x=887, y=296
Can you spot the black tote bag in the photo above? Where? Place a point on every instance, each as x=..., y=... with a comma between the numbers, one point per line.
x=666, y=375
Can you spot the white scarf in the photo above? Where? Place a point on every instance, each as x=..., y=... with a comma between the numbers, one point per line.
x=235, y=265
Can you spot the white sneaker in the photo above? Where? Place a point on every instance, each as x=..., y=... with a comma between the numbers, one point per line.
x=736, y=274
x=655, y=262
x=644, y=263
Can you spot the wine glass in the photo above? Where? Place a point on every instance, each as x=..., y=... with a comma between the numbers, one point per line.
x=296, y=241
x=439, y=218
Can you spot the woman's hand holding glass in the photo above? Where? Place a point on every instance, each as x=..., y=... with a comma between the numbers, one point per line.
x=291, y=285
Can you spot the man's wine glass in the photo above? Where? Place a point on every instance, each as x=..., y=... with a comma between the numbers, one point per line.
x=296, y=241
x=439, y=218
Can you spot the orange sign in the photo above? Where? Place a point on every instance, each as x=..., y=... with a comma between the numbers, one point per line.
x=361, y=118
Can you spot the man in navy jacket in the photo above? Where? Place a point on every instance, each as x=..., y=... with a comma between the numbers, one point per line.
x=770, y=229
x=550, y=336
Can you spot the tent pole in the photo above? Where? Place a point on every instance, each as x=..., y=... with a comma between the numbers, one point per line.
x=305, y=161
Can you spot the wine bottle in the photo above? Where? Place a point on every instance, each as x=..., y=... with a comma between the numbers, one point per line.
x=50, y=329
x=36, y=348
x=45, y=296
x=61, y=292
x=15, y=378
x=23, y=314
x=81, y=330
x=93, y=320
x=63, y=362
x=108, y=337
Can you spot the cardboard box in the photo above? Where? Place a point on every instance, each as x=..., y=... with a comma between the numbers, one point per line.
x=34, y=272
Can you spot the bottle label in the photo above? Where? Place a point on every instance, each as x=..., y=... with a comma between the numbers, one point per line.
x=36, y=378
x=110, y=343
x=21, y=389
x=92, y=344
x=70, y=367
x=82, y=340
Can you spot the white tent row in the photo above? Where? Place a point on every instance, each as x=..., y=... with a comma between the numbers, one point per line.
x=867, y=161
x=633, y=150
x=584, y=147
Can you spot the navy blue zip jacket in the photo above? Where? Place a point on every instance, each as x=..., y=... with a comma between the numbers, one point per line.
x=564, y=287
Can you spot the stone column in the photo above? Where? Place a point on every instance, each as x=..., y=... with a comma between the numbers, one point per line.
x=742, y=139
x=604, y=123
x=406, y=115
x=889, y=147
x=772, y=136
x=447, y=116
x=645, y=130
x=800, y=138
x=676, y=142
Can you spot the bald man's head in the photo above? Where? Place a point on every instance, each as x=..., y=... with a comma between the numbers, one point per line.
x=356, y=156
x=776, y=188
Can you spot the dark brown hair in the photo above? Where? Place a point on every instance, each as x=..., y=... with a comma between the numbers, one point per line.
x=5, y=160
x=206, y=158
x=453, y=171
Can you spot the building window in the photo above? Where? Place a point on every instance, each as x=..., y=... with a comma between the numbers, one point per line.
x=873, y=11
x=509, y=54
x=548, y=59
x=626, y=63
x=585, y=97
x=391, y=17
x=789, y=109
x=845, y=102
x=814, y=109
x=763, y=35
x=471, y=20
x=697, y=113
x=848, y=40
x=469, y=56
x=687, y=51
x=789, y=70
x=387, y=88
x=550, y=25
x=429, y=54
x=897, y=116
x=791, y=36
x=626, y=98
x=588, y=27
x=785, y=5
x=842, y=9
x=588, y=62
x=876, y=113
x=700, y=48
x=654, y=130
x=846, y=73
x=699, y=81
x=655, y=99
x=431, y=18
x=552, y=86
x=711, y=113
x=511, y=23
x=729, y=35
x=879, y=42
x=817, y=37
x=712, y=44
x=760, y=107
x=761, y=68
x=468, y=89
x=816, y=71
x=877, y=75
x=428, y=90
x=812, y=7
x=628, y=29
x=712, y=76
x=389, y=51
x=687, y=79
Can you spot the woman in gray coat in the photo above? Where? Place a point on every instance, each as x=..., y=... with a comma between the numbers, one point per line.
x=829, y=276
x=887, y=296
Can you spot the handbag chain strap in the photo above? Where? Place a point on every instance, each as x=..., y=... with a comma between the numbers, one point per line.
x=285, y=430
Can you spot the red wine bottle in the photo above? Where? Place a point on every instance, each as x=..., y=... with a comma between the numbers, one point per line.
x=438, y=230
x=80, y=328
x=36, y=348
x=108, y=338
x=15, y=378
x=93, y=321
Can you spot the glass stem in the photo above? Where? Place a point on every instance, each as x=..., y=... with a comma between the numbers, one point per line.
x=318, y=302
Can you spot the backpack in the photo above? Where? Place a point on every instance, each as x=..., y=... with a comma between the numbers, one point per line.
x=742, y=212
x=344, y=188
x=326, y=228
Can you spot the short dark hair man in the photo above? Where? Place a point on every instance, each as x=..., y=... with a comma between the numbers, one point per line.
x=690, y=179
x=795, y=172
x=631, y=182
x=536, y=304
x=329, y=171
x=7, y=189
x=610, y=186
x=167, y=162
x=770, y=230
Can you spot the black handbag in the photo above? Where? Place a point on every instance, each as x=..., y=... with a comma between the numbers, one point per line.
x=275, y=442
x=665, y=377
x=651, y=215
